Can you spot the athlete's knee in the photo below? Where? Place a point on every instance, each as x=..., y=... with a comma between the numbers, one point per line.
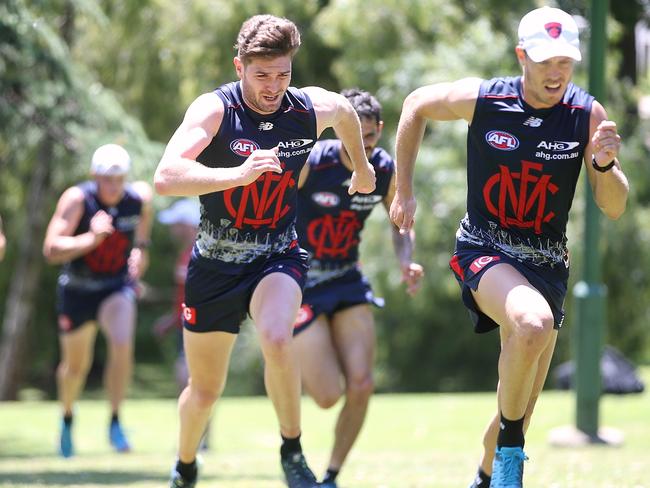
x=73, y=369
x=533, y=329
x=204, y=397
x=360, y=388
x=275, y=342
x=327, y=398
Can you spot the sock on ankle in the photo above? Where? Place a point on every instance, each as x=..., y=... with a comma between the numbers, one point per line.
x=482, y=479
x=187, y=470
x=511, y=432
x=67, y=419
x=330, y=475
x=114, y=418
x=290, y=446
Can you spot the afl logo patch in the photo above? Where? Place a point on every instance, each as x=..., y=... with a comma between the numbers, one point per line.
x=502, y=140
x=326, y=199
x=243, y=147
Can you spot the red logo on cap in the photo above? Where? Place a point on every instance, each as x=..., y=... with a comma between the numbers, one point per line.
x=554, y=29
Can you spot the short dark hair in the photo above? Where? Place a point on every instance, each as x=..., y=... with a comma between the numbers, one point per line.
x=267, y=36
x=364, y=103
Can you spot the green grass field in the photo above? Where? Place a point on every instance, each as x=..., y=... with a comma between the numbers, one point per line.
x=409, y=441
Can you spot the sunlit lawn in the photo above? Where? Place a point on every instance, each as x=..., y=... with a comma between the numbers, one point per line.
x=409, y=441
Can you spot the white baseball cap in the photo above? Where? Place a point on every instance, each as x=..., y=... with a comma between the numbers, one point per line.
x=185, y=211
x=548, y=32
x=110, y=159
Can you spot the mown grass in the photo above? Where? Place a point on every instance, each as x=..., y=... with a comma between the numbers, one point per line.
x=430, y=440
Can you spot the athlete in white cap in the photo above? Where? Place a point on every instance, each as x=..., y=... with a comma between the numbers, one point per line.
x=99, y=233
x=528, y=138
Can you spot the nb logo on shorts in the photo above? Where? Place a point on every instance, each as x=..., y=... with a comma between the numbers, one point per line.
x=480, y=263
x=189, y=314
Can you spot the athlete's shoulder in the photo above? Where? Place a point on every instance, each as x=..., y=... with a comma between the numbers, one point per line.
x=323, y=153
x=230, y=93
x=576, y=97
x=298, y=100
x=501, y=86
x=382, y=160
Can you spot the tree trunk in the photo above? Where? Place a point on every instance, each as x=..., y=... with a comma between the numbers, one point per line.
x=22, y=290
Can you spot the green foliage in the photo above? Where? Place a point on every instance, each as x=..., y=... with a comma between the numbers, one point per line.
x=85, y=72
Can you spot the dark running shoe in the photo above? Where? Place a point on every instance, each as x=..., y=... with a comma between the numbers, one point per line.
x=328, y=484
x=297, y=472
x=178, y=481
x=479, y=483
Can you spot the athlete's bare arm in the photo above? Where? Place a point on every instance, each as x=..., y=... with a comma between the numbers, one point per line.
x=139, y=257
x=60, y=245
x=334, y=110
x=403, y=244
x=178, y=172
x=610, y=188
x=442, y=101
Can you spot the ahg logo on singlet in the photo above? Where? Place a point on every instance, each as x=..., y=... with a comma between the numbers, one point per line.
x=243, y=147
x=521, y=196
x=502, y=140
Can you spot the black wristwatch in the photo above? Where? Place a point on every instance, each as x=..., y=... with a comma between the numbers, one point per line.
x=602, y=169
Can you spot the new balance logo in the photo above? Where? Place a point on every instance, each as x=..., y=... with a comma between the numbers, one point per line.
x=265, y=126
x=533, y=122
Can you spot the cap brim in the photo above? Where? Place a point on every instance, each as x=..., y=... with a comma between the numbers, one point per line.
x=542, y=53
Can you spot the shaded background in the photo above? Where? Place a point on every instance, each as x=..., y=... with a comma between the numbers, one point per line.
x=75, y=74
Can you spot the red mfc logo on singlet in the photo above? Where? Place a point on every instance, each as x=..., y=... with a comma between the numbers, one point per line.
x=333, y=236
x=262, y=202
x=519, y=198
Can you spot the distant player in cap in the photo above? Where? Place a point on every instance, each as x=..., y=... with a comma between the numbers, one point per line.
x=99, y=233
x=529, y=137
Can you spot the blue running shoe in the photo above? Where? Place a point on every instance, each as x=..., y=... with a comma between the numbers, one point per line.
x=118, y=438
x=328, y=484
x=65, y=445
x=297, y=472
x=508, y=468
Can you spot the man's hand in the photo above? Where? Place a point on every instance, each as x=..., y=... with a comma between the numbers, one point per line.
x=402, y=212
x=101, y=224
x=363, y=181
x=412, y=274
x=605, y=142
x=260, y=161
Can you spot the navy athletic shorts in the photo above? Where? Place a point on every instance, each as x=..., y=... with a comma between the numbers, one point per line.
x=334, y=295
x=76, y=306
x=219, y=301
x=469, y=262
